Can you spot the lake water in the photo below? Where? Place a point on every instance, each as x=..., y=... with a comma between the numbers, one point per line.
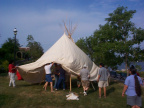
x=122, y=66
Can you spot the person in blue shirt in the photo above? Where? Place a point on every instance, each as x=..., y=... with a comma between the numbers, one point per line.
x=102, y=79
x=132, y=88
x=61, y=78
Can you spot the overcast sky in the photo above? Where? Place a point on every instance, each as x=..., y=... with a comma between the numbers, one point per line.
x=43, y=19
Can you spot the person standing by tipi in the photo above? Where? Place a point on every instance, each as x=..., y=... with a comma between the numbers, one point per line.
x=12, y=71
x=102, y=79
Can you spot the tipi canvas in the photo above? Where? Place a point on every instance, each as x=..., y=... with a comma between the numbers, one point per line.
x=63, y=52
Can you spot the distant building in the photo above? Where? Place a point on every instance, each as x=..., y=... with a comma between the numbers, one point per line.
x=22, y=53
x=24, y=48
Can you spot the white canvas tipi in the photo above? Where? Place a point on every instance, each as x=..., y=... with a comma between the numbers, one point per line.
x=63, y=52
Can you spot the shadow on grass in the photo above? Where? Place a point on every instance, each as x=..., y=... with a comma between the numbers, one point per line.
x=91, y=91
x=110, y=90
x=26, y=85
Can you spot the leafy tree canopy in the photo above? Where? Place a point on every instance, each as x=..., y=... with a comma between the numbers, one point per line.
x=36, y=49
x=115, y=42
x=7, y=49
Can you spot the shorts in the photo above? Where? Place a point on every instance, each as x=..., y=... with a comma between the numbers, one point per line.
x=48, y=78
x=85, y=83
x=102, y=84
x=134, y=100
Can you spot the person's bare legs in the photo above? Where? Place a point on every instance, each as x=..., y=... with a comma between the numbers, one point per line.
x=78, y=85
x=105, y=92
x=83, y=88
x=99, y=92
x=134, y=106
x=86, y=88
x=137, y=106
x=45, y=86
x=51, y=85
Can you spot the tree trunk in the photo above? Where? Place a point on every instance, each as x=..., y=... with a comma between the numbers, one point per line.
x=126, y=64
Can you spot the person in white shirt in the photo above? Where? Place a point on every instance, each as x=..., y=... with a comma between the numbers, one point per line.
x=48, y=77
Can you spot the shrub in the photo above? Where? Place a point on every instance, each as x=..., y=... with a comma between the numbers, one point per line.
x=4, y=67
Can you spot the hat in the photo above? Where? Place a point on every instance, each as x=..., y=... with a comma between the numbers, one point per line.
x=84, y=66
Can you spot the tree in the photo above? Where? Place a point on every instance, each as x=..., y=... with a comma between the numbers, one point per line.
x=85, y=45
x=117, y=41
x=36, y=50
x=7, y=53
x=128, y=34
x=7, y=50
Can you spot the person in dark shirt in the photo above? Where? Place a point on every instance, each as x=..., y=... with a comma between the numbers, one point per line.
x=56, y=72
x=61, y=78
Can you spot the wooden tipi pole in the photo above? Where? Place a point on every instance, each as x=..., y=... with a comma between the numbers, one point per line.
x=70, y=31
x=70, y=83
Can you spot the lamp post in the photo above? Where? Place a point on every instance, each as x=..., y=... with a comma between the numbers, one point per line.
x=15, y=33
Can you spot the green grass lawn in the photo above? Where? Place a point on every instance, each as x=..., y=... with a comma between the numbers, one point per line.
x=27, y=95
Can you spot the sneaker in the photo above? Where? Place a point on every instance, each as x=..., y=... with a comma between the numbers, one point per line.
x=85, y=93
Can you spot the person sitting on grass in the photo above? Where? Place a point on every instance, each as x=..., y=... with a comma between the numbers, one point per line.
x=132, y=88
